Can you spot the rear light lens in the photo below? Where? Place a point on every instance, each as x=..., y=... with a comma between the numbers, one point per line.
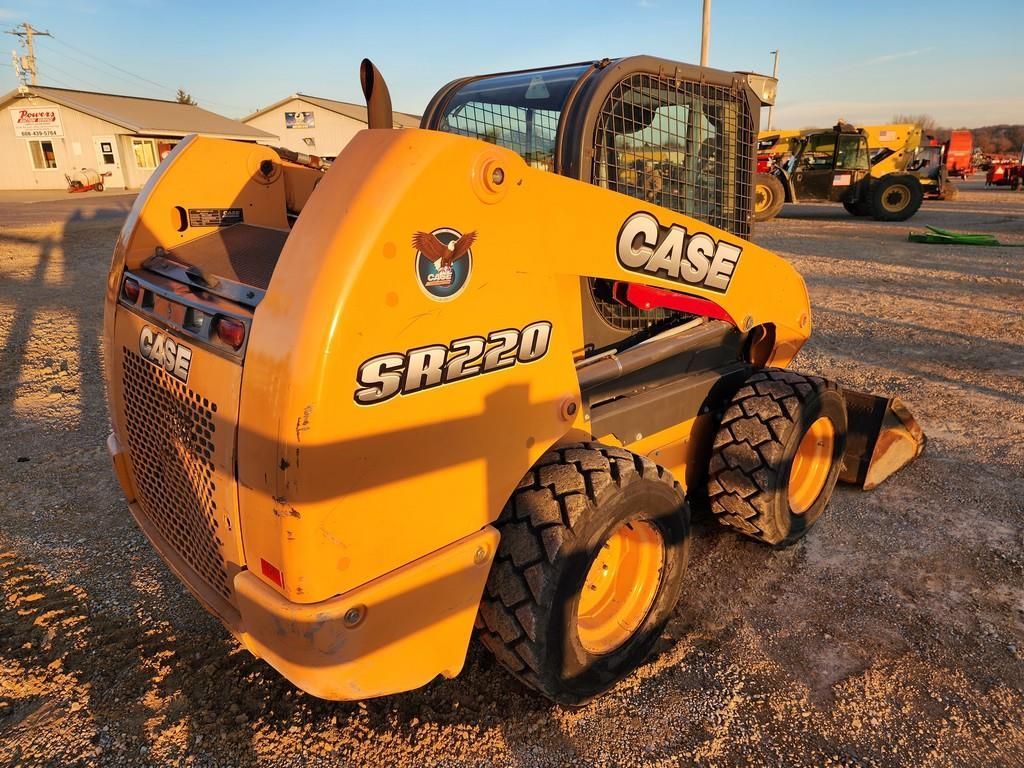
x=231, y=332
x=131, y=290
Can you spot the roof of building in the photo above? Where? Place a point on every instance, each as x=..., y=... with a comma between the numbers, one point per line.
x=355, y=111
x=154, y=117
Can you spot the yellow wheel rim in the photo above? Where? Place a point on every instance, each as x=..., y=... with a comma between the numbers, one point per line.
x=896, y=198
x=621, y=585
x=811, y=465
x=762, y=197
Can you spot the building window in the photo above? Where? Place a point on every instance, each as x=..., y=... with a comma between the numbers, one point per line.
x=146, y=156
x=164, y=148
x=43, y=156
x=107, y=150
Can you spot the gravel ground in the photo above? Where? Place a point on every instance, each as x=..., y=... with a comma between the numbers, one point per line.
x=892, y=635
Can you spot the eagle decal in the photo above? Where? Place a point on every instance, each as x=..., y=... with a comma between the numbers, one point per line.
x=441, y=255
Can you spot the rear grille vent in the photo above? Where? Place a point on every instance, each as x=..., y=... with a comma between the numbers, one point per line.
x=171, y=443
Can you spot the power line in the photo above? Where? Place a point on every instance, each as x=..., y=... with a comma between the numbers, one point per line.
x=113, y=66
x=96, y=69
x=138, y=77
x=56, y=81
x=50, y=65
x=27, y=65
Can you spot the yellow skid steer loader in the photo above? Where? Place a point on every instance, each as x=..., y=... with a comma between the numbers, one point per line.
x=475, y=373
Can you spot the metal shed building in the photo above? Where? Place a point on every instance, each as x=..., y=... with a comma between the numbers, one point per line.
x=53, y=131
x=317, y=126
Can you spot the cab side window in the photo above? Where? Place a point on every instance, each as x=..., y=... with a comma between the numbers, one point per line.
x=819, y=153
x=853, y=153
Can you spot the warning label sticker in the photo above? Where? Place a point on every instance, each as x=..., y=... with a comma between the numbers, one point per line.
x=214, y=217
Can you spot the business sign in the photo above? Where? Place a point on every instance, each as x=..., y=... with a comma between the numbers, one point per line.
x=299, y=120
x=37, y=122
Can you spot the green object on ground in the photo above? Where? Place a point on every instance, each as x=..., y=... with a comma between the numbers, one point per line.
x=945, y=237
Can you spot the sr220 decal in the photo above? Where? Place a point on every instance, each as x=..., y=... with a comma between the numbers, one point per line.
x=645, y=246
x=396, y=373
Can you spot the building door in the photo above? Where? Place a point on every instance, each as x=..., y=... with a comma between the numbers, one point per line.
x=107, y=161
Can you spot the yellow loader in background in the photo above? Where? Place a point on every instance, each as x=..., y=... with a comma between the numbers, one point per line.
x=891, y=147
x=865, y=178
x=360, y=412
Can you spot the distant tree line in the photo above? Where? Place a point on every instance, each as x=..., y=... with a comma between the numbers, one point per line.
x=990, y=139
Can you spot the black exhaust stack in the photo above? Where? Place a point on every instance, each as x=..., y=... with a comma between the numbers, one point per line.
x=378, y=100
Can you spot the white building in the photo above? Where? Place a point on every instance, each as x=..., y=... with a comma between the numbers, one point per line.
x=54, y=131
x=317, y=126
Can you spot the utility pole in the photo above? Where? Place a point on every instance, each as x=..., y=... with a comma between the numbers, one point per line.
x=26, y=32
x=705, y=35
x=775, y=74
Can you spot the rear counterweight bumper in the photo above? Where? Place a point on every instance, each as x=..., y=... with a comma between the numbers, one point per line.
x=392, y=634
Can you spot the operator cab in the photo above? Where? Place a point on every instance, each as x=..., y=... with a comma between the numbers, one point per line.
x=828, y=163
x=927, y=162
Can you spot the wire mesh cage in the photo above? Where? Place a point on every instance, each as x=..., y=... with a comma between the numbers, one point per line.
x=527, y=132
x=684, y=145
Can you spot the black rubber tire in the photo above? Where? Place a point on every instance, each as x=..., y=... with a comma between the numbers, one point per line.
x=98, y=186
x=859, y=208
x=757, y=439
x=883, y=187
x=770, y=185
x=552, y=528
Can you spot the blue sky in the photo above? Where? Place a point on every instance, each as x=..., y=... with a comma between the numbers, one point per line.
x=862, y=61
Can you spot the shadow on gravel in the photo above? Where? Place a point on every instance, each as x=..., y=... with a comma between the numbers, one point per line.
x=48, y=628
x=953, y=263
x=958, y=350
x=64, y=295
x=933, y=291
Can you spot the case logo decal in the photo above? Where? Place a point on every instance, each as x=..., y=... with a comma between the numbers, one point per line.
x=404, y=373
x=164, y=352
x=645, y=246
x=443, y=262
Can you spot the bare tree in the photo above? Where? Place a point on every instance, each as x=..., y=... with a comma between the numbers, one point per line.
x=925, y=122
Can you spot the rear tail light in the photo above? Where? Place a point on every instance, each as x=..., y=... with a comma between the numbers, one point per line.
x=231, y=332
x=131, y=290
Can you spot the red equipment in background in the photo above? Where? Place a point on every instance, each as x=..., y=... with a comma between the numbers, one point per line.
x=1005, y=174
x=1005, y=171
x=959, y=151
